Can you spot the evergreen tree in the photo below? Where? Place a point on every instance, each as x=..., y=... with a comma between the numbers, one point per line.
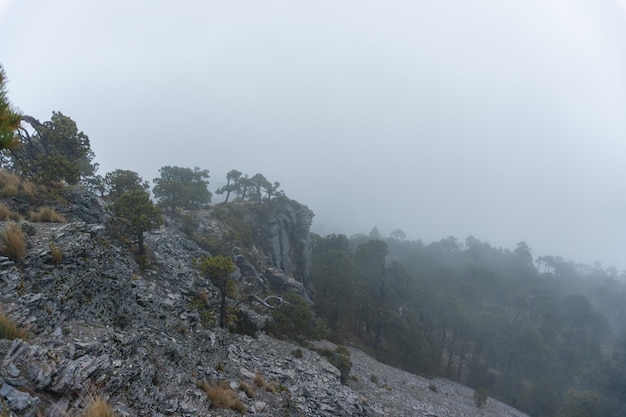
x=179, y=187
x=9, y=117
x=135, y=215
x=218, y=270
x=57, y=151
x=120, y=181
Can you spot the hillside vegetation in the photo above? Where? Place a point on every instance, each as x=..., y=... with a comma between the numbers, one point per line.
x=111, y=286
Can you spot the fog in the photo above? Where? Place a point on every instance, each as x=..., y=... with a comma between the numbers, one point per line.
x=501, y=120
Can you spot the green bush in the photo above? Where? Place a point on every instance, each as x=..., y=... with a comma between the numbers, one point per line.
x=480, y=397
x=292, y=319
x=341, y=360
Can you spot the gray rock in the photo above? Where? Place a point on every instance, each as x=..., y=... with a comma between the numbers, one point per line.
x=19, y=401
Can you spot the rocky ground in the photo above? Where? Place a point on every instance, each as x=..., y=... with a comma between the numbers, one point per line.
x=373, y=388
x=143, y=340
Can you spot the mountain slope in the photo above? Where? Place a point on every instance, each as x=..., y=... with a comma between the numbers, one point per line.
x=144, y=339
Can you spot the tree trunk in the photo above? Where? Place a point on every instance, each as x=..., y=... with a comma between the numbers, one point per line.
x=508, y=366
x=379, y=335
x=142, y=249
x=223, y=309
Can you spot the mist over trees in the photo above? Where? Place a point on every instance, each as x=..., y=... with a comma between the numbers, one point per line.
x=542, y=334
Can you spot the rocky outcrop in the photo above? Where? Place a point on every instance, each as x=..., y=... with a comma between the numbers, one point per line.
x=283, y=229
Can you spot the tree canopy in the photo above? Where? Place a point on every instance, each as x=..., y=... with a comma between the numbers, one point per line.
x=135, y=215
x=9, y=117
x=179, y=187
x=120, y=181
x=548, y=340
x=55, y=151
x=256, y=188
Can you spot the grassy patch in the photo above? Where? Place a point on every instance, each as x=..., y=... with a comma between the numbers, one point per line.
x=7, y=214
x=46, y=215
x=99, y=408
x=12, y=242
x=221, y=395
x=10, y=330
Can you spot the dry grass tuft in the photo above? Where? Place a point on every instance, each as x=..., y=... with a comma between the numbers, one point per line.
x=5, y=212
x=99, y=408
x=46, y=215
x=56, y=253
x=29, y=188
x=203, y=296
x=12, y=184
x=10, y=330
x=222, y=396
x=8, y=190
x=13, y=241
x=259, y=381
x=247, y=389
x=9, y=184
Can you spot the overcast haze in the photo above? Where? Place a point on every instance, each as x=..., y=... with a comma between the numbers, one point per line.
x=498, y=119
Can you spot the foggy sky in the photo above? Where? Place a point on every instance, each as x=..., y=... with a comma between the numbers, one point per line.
x=501, y=120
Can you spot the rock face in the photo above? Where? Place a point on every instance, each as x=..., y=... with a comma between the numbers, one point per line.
x=284, y=231
x=143, y=339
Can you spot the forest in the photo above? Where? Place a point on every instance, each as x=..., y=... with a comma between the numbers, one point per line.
x=543, y=334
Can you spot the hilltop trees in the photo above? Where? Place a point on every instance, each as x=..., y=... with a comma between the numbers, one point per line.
x=56, y=151
x=120, y=181
x=179, y=187
x=256, y=188
x=232, y=184
x=9, y=117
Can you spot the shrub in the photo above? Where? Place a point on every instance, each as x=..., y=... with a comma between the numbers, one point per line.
x=297, y=353
x=13, y=241
x=374, y=379
x=292, y=319
x=222, y=396
x=341, y=359
x=28, y=228
x=480, y=397
x=10, y=330
x=342, y=350
x=46, y=215
x=99, y=408
x=56, y=253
